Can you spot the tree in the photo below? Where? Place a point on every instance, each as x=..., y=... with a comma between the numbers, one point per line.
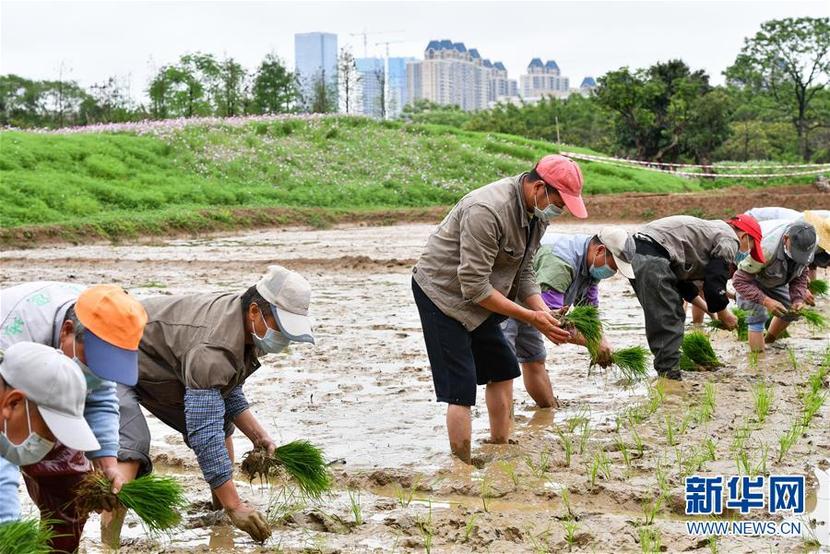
x=275, y=88
x=787, y=60
x=231, y=98
x=426, y=111
x=348, y=76
x=323, y=94
x=380, y=78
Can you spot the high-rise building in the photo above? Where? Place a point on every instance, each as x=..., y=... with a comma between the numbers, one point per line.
x=450, y=74
x=315, y=59
x=397, y=95
x=371, y=79
x=543, y=79
x=588, y=84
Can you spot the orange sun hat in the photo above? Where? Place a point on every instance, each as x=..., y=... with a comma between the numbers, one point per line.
x=114, y=323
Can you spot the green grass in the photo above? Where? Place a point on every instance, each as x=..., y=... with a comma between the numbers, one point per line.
x=31, y=536
x=197, y=177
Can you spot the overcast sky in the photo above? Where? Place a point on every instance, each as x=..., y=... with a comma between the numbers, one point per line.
x=95, y=40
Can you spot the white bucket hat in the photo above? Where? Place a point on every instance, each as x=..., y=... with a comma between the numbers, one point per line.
x=616, y=240
x=289, y=295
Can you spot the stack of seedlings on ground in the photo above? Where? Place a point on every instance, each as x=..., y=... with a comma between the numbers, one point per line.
x=631, y=361
x=819, y=287
x=25, y=535
x=301, y=460
x=742, y=328
x=585, y=319
x=697, y=353
x=812, y=317
x=157, y=501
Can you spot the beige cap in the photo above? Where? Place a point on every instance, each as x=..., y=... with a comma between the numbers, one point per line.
x=616, y=240
x=289, y=295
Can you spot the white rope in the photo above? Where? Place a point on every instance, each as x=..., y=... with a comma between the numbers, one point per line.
x=620, y=162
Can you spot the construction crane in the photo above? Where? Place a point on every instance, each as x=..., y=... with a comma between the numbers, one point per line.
x=387, y=43
x=386, y=84
x=365, y=34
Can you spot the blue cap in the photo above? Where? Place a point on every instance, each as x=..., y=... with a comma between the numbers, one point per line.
x=110, y=362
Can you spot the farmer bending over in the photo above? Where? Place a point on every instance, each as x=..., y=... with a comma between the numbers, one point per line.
x=99, y=329
x=669, y=255
x=196, y=353
x=777, y=284
x=474, y=269
x=568, y=269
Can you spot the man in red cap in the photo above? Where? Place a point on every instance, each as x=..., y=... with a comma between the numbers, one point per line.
x=476, y=272
x=668, y=256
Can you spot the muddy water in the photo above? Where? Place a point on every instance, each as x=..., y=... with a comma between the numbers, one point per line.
x=364, y=393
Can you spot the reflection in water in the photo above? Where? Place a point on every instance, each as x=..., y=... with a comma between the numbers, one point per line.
x=221, y=538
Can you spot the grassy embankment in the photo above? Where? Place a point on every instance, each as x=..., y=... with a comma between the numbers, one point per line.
x=287, y=171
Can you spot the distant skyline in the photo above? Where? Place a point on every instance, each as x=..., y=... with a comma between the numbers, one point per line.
x=96, y=40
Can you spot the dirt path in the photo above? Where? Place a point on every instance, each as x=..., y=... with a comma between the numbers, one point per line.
x=364, y=394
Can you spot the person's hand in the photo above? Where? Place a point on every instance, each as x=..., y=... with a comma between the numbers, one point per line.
x=603, y=359
x=248, y=519
x=549, y=326
x=727, y=319
x=775, y=307
x=809, y=298
x=268, y=444
x=797, y=307
x=109, y=467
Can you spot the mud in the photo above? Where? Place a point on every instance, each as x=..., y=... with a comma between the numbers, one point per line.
x=364, y=394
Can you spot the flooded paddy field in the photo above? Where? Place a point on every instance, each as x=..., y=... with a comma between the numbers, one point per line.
x=364, y=394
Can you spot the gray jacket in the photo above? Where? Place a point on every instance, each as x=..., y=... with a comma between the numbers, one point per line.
x=692, y=243
x=481, y=245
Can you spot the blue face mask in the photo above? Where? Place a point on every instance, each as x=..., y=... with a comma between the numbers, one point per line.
x=552, y=211
x=740, y=256
x=273, y=342
x=601, y=272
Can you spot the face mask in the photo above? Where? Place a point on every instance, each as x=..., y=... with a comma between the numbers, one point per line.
x=552, y=211
x=601, y=272
x=740, y=256
x=30, y=451
x=273, y=342
x=92, y=380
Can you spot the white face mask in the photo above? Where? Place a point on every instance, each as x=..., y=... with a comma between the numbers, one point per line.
x=273, y=342
x=32, y=450
x=551, y=211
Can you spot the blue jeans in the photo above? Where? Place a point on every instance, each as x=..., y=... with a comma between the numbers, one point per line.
x=9, y=485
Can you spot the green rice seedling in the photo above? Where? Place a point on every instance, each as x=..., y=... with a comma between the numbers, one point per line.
x=761, y=467
x=789, y=438
x=742, y=328
x=651, y=508
x=157, y=501
x=584, y=436
x=577, y=420
x=570, y=526
x=604, y=463
x=631, y=362
x=656, y=396
x=813, y=318
x=301, y=460
x=815, y=382
x=355, y=507
x=671, y=432
x=639, y=445
x=713, y=543
x=567, y=445
x=622, y=448
x=566, y=502
x=742, y=462
x=485, y=490
x=405, y=495
x=650, y=540
x=687, y=420
x=753, y=358
x=540, y=467
x=706, y=407
x=426, y=528
x=819, y=287
x=509, y=469
x=741, y=436
x=469, y=527
x=696, y=352
x=29, y=535
x=791, y=356
x=585, y=319
x=813, y=401
x=661, y=474
x=762, y=393
x=283, y=503
x=710, y=449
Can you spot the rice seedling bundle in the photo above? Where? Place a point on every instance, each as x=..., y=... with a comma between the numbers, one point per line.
x=743, y=327
x=631, y=361
x=301, y=460
x=25, y=535
x=156, y=500
x=585, y=319
x=813, y=318
x=697, y=353
x=819, y=287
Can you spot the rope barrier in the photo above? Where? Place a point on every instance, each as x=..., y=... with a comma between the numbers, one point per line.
x=646, y=165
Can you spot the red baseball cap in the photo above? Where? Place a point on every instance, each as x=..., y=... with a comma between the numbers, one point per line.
x=749, y=224
x=564, y=175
